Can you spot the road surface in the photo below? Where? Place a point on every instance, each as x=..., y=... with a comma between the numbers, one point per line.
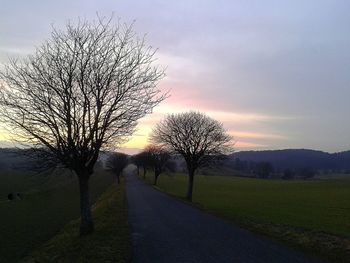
x=167, y=230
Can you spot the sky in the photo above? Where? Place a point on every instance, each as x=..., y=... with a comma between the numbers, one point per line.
x=275, y=73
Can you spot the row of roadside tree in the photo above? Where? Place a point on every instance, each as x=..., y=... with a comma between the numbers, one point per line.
x=193, y=136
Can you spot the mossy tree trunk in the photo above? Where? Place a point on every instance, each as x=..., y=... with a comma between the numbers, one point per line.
x=156, y=175
x=86, y=225
x=190, y=185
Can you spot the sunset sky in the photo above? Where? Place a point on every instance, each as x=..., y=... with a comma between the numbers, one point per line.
x=276, y=73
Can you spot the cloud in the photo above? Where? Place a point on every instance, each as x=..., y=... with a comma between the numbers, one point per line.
x=130, y=151
x=255, y=135
x=16, y=50
x=248, y=146
x=229, y=119
x=267, y=70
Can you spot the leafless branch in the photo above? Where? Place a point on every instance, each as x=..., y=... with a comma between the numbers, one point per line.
x=197, y=137
x=83, y=90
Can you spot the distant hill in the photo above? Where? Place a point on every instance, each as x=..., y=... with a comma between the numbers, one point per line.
x=11, y=158
x=280, y=159
x=16, y=159
x=297, y=158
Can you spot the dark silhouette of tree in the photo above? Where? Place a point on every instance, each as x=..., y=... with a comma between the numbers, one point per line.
x=158, y=158
x=287, y=174
x=116, y=163
x=197, y=137
x=238, y=165
x=137, y=162
x=170, y=166
x=306, y=173
x=263, y=169
x=141, y=160
x=84, y=89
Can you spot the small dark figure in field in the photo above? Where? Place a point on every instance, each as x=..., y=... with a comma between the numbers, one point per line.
x=14, y=196
x=10, y=196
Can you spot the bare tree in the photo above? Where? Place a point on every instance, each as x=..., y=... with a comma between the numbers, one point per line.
x=116, y=163
x=158, y=157
x=141, y=159
x=197, y=137
x=136, y=161
x=83, y=90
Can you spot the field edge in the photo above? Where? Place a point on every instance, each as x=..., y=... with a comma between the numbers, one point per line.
x=110, y=241
x=326, y=246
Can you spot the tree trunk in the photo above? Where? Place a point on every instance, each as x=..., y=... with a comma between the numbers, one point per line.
x=138, y=170
x=156, y=175
x=190, y=185
x=87, y=225
x=118, y=178
x=144, y=172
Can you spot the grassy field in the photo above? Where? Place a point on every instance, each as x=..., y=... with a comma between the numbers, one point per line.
x=48, y=204
x=110, y=241
x=309, y=214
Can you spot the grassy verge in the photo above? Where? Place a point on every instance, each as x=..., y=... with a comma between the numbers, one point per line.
x=311, y=215
x=49, y=203
x=110, y=241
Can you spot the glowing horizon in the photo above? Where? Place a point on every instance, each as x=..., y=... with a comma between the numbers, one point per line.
x=242, y=139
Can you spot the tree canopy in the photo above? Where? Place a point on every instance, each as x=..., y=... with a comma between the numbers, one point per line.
x=158, y=157
x=82, y=90
x=116, y=162
x=197, y=137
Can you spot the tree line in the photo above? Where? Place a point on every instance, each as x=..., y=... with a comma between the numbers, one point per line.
x=265, y=169
x=83, y=90
x=198, y=139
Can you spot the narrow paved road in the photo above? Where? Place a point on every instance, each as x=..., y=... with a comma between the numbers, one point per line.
x=167, y=230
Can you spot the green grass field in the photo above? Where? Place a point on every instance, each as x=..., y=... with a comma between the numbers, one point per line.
x=303, y=213
x=48, y=204
x=110, y=241
x=322, y=205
